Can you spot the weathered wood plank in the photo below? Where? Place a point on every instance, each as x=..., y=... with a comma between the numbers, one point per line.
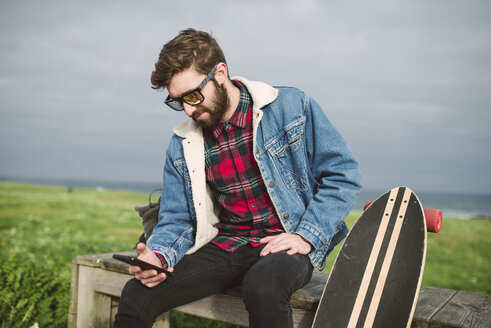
x=93, y=308
x=104, y=260
x=102, y=311
x=231, y=309
x=109, y=282
x=308, y=297
x=430, y=301
x=72, y=309
x=85, y=297
x=114, y=309
x=220, y=307
x=466, y=310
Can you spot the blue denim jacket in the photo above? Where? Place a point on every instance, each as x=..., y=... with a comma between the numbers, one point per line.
x=311, y=175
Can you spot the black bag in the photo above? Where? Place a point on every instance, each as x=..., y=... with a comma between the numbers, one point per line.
x=150, y=216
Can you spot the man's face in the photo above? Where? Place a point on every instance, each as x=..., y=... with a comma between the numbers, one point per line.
x=211, y=111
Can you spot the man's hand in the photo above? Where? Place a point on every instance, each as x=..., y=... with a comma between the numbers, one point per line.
x=285, y=241
x=149, y=278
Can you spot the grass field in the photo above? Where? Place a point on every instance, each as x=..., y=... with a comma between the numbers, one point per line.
x=44, y=228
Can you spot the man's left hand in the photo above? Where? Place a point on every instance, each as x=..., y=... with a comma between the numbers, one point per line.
x=285, y=241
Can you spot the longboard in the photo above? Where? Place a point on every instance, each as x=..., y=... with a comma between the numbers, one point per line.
x=376, y=278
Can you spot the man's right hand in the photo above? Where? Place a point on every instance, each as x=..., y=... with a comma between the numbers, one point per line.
x=149, y=278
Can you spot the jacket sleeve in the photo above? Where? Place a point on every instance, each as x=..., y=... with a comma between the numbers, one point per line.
x=338, y=178
x=174, y=233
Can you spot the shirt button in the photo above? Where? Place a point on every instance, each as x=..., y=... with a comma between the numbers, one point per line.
x=253, y=205
x=271, y=184
x=244, y=177
x=286, y=216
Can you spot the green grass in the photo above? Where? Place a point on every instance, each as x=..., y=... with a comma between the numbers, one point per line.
x=43, y=228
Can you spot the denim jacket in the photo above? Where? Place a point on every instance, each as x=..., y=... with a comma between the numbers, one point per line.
x=311, y=175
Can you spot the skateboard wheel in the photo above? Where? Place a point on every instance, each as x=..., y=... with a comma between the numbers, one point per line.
x=367, y=204
x=434, y=219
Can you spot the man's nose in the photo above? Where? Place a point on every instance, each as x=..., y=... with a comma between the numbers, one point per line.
x=188, y=109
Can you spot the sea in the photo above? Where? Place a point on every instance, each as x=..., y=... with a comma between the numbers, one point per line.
x=453, y=205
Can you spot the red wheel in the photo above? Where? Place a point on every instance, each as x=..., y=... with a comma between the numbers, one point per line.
x=434, y=219
x=367, y=204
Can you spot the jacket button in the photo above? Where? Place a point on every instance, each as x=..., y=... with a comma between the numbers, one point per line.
x=271, y=184
x=286, y=216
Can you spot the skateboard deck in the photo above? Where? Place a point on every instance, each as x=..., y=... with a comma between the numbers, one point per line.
x=376, y=278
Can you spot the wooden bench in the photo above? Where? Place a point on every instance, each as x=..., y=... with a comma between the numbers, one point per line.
x=97, y=281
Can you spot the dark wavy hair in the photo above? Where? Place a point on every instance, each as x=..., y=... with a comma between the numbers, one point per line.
x=190, y=48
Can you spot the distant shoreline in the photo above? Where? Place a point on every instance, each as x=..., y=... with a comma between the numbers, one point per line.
x=143, y=187
x=462, y=206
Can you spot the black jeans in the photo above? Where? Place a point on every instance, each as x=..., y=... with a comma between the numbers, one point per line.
x=267, y=285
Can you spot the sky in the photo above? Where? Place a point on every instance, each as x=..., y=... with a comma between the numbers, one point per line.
x=407, y=83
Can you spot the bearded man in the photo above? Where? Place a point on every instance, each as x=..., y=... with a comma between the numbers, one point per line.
x=256, y=187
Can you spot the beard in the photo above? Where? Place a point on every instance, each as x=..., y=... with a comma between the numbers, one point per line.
x=220, y=103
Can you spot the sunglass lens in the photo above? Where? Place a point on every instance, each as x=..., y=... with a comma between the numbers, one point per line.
x=193, y=98
x=176, y=105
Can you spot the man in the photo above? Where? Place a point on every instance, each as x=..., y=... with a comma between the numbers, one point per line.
x=256, y=187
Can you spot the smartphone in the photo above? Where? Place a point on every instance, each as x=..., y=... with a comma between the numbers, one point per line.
x=142, y=264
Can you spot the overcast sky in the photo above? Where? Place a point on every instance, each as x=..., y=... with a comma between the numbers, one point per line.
x=408, y=83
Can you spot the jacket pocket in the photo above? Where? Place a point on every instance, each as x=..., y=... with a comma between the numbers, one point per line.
x=182, y=168
x=288, y=153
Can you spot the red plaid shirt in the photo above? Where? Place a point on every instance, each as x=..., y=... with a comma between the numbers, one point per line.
x=247, y=213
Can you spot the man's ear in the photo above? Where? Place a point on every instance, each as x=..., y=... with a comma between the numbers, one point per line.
x=221, y=73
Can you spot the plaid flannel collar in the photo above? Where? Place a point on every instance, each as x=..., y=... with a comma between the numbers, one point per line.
x=239, y=119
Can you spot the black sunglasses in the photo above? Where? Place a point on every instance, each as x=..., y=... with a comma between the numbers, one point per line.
x=193, y=98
